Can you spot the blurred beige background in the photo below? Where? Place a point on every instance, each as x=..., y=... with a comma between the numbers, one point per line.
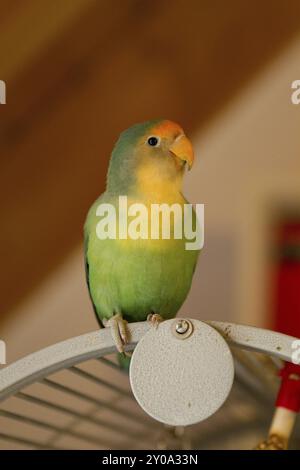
x=247, y=169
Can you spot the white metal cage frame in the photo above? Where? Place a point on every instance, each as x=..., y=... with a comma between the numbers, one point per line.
x=252, y=377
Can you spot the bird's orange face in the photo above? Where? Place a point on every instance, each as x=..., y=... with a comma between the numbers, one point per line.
x=163, y=152
x=168, y=138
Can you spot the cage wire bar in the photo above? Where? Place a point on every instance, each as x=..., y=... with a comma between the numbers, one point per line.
x=258, y=354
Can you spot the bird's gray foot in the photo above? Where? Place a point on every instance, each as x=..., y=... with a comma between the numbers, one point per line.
x=155, y=319
x=119, y=332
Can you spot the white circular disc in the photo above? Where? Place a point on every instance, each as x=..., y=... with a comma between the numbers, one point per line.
x=181, y=381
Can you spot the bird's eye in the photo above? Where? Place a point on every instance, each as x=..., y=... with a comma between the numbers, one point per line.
x=153, y=141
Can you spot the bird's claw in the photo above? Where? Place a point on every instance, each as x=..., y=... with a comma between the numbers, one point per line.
x=119, y=332
x=155, y=319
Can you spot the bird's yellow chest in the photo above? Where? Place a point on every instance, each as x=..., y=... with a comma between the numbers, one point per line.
x=150, y=219
x=153, y=210
x=155, y=184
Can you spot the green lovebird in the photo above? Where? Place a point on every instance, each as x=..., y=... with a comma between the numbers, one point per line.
x=135, y=278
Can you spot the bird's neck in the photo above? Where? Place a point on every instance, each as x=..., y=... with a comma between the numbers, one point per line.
x=150, y=183
x=157, y=185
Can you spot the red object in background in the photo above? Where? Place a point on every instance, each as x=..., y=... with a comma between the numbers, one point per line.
x=287, y=280
x=287, y=307
x=289, y=392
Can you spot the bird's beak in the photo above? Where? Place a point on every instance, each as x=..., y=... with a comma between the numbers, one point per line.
x=183, y=150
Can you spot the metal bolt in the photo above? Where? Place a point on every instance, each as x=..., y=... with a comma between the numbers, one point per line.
x=182, y=328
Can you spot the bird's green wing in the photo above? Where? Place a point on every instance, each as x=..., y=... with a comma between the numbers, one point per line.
x=86, y=265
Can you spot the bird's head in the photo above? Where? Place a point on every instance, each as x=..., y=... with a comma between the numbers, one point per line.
x=154, y=152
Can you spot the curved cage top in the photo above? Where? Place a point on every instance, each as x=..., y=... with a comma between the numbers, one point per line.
x=74, y=395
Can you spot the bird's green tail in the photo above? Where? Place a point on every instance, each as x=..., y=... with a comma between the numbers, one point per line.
x=124, y=361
